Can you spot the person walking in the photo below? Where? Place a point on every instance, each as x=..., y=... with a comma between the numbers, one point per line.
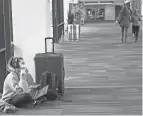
x=70, y=18
x=124, y=21
x=136, y=22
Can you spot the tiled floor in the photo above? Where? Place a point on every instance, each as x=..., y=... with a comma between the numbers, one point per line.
x=112, y=70
x=100, y=59
x=103, y=76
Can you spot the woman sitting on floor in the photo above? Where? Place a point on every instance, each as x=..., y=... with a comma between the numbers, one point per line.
x=12, y=92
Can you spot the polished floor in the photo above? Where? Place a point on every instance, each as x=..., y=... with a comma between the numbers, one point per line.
x=103, y=76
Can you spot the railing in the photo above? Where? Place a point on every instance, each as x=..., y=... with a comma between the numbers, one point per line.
x=60, y=28
x=60, y=24
x=2, y=50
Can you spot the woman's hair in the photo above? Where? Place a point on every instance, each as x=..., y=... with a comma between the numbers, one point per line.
x=125, y=11
x=136, y=11
x=13, y=63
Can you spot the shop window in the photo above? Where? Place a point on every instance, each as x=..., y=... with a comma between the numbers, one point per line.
x=96, y=14
x=100, y=14
x=91, y=14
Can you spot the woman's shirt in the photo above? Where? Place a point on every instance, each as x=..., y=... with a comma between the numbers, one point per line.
x=124, y=19
x=10, y=86
x=135, y=19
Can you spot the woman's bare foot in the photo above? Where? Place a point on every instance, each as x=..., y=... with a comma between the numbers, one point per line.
x=36, y=102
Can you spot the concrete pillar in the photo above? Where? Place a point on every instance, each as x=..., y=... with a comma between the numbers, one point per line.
x=31, y=24
x=66, y=10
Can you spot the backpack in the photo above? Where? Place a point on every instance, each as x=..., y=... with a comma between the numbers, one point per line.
x=49, y=78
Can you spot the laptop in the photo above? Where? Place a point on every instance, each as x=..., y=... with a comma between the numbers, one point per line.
x=39, y=93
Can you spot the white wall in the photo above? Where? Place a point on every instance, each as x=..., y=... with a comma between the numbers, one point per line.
x=110, y=12
x=51, y=19
x=31, y=24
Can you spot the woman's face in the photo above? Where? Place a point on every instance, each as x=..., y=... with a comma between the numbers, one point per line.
x=22, y=64
x=136, y=11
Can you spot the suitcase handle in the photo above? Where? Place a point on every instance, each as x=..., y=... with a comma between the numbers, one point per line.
x=48, y=38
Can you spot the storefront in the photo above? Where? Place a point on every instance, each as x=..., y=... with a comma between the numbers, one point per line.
x=106, y=10
x=101, y=10
x=95, y=14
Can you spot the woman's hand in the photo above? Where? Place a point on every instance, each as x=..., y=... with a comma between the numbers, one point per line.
x=19, y=90
x=35, y=87
x=38, y=86
x=26, y=70
x=23, y=72
x=117, y=22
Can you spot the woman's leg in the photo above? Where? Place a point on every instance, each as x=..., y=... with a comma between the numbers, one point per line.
x=126, y=34
x=137, y=32
x=122, y=29
x=22, y=100
x=133, y=31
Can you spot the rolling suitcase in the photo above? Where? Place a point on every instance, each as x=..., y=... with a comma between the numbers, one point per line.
x=51, y=62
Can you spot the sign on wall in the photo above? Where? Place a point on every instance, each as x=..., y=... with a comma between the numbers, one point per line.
x=127, y=1
x=73, y=1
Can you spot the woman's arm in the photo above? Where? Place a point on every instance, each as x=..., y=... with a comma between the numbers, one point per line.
x=15, y=86
x=131, y=18
x=31, y=83
x=140, y=18
x=119, y=18
x=29, y=79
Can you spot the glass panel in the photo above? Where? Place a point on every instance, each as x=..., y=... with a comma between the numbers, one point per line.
x=91, y=14
x=95, y=14
x=100, y=14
